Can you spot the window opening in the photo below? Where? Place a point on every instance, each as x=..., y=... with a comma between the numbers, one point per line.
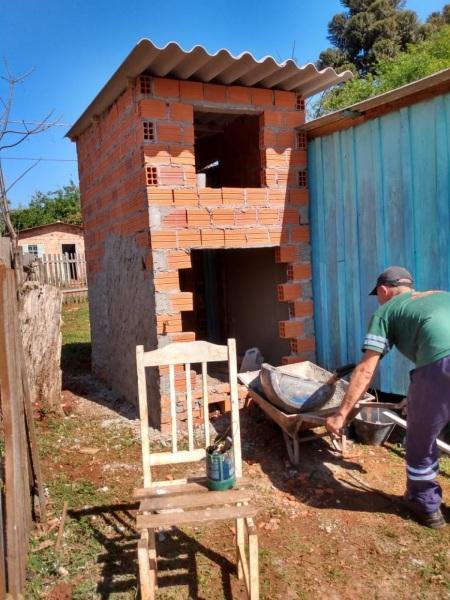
x=227, y=149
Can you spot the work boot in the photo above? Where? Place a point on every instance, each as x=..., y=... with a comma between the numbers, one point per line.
x=434, y=519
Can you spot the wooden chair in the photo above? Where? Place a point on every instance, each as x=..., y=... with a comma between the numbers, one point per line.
x=185, y=501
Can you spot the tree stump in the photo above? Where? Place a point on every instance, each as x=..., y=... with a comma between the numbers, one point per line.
x=40, y=325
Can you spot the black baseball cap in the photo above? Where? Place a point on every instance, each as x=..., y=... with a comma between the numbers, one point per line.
x=393, y=277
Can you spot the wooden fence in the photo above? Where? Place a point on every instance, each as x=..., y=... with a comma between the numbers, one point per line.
x=20, y=470
x=66, y=271
x=63, y=270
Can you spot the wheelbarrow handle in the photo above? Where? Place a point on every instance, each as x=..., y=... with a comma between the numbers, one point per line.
x=344, y=370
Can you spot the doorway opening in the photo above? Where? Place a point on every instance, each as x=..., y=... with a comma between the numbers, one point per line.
x=70, y=251
x=235, y=295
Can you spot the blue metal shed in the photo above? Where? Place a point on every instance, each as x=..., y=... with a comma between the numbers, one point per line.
x=379, y=195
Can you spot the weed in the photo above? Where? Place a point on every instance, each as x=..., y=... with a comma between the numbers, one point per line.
x=57, y=431
x=77, y=493
x=334, y=574
x=84, y=590
x=390, y=533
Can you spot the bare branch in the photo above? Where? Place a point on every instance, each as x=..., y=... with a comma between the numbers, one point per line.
x=7, y=111
x=22, y=175
x=38, y=129
x=5, y=210
x=22, y=134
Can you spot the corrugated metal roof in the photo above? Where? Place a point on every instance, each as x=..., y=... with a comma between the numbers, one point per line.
x=407, y=94
x=198, y=65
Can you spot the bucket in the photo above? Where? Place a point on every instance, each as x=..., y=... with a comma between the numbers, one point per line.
x=220, y=466
x=372, y=426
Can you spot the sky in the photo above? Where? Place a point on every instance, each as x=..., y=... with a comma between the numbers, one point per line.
x=72, y=48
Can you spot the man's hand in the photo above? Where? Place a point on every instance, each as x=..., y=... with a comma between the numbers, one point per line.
x=335, y=423
x=361, y=378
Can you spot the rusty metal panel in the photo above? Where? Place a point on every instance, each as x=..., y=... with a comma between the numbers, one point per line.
x=379, y=195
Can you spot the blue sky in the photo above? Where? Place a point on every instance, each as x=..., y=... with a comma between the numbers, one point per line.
x=74, y=46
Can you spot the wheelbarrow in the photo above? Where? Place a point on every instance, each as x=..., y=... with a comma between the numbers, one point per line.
x=292, y=424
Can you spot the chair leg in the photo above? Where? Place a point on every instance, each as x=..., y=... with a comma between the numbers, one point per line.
x=253, y=560
x=152, y=560
x=240, y=544
x=147, y=564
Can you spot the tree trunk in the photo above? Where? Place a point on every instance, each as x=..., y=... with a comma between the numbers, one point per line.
x=40, y=324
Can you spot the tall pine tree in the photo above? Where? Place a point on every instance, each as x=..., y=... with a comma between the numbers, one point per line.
x=367, y=32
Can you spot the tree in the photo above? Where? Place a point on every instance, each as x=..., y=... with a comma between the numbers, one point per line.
x=62, y=204
x=438, y=19
x=13, y=133
x=369, y=31
x=419, y=60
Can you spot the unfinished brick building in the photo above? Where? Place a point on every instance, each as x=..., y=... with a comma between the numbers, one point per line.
x=195, y=206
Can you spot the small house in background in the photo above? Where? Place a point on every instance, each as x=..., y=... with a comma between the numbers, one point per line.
x=194, y=196
x=55, y=238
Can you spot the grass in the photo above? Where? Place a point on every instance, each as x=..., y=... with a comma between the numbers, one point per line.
x=77, y=493
x=76, y=332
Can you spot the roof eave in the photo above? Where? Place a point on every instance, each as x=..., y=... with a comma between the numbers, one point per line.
x=354, y=114
x=179, y=64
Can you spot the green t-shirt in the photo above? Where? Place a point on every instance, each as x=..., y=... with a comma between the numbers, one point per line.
x=418, y=324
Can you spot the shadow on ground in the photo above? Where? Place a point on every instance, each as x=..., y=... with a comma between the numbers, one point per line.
x=323, y=480
x=178, y=553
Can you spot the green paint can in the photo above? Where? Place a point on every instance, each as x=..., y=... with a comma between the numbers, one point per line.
x=220, y=465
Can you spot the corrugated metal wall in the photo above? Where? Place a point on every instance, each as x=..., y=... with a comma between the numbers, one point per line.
x=380, y=196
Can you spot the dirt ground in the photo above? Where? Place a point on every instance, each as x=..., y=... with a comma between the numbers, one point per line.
x=321, y=535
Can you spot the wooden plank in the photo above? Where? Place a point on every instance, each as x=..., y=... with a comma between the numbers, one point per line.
x=253, y=565
x=240, y=552
x=243, y=567
x=32, y=441
x=143, y=415
x=187, y=368
x=173, y=406
x=235, y=424
x=175, y=458
x=176, y=353
x=197, y=485
x=194, y=516
x=144, y=568
x=195, y=500
x=2, y=532
x=17, y=506
x=205, y=403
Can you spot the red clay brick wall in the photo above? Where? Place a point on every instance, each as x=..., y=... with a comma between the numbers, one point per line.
x=112, y=181
x=138, y=175
x=275, y=213
x=117, y=243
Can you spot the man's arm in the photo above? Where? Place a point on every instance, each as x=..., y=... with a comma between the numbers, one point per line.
x=359, y=383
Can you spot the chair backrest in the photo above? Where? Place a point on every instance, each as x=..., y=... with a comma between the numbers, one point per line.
x=186, y=354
